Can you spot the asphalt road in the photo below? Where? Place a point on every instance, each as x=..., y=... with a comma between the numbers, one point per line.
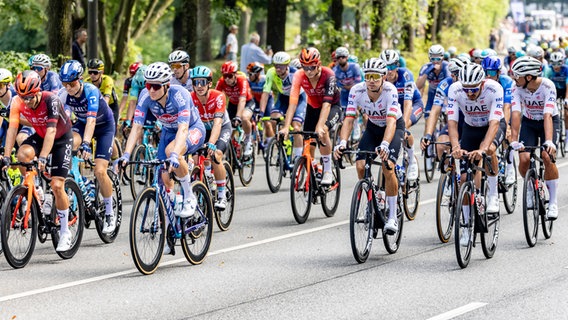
x=268, y=267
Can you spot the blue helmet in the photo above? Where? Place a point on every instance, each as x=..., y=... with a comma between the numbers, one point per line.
x=201, y=72
x=138, y=78
x=71, y=71
x=491, y=63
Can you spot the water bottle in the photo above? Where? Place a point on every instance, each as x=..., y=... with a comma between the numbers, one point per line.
x=179, y=203
x=210, y=180
x=47, y=204
x=501, y=168
x=288, y=147
x=39, y=192
x=400, y=174
x=381, y=199
x=317, y=169
x=480, y=201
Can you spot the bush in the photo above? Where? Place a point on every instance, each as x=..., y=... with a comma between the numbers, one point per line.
x=14, y=61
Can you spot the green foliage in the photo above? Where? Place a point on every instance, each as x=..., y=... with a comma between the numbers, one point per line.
x=14, y=61
x=29, y=13
x=228, y=16
x=17, y=38
x=327, y=39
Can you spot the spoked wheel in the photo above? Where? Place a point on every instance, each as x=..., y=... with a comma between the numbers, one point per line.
x=274, y=165
x=510, y=191
x=116, y=206
x=2, y=199
x=392, y=241
x=75, y=219
x=430, y=164
x=464, y=224
x=445, y=206
x=361, y=221
x=530, y=208
x=489, y=239
x=140, y=175
x=543, y=209
x=195, y=244
x=124, y=177
x=147, y=231
x=330, y=198
x=18, y=237
x=411, y=195
x=247, y=165
x=224, y=217
x=300, y=191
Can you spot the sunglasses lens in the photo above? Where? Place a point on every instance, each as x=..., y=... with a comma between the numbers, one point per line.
x=37, y=69
x=392, y=67
x=93, y=72
x=435, y=59
x=199, y=83
x=153, y=86
x=176, y=65
x=228, y=75
x=309, y=68
x=373, y=77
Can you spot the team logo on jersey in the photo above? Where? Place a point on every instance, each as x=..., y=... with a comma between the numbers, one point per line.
x=185, y=113
x=443, y=85
x=139, y=113
x=194, y=136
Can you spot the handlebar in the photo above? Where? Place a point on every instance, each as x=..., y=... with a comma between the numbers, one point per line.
x=309, y=134
x=369, y=155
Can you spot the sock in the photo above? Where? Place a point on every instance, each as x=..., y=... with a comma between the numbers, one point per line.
x=186, y=185
x=391, y=200
x=63, y=220
x=552, y=186
x=297, y=151
x=410, y=152
x=492, y=184
x=221, y=188
x=108, y=206
x=465, y=210
x=326, y=162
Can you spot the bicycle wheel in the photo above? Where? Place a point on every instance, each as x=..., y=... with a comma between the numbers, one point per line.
x=19, y=238
x=300, y=191
x=247, y=165
x=530, y=208
x=124, y=175
x=75, y=219
x=464, y=223
x=430, y=165
x=274, y=165
x=116, y=206
x=330, y=196
x=147, y=231
x=445, y=207
x=195, y=244
x=411, y=194
x=139, y=174
x=543, y=209
x=392, y=242
x=361, y=221
x=2, y=199
x=510, y=194
x=224, y=217
x=489, y=239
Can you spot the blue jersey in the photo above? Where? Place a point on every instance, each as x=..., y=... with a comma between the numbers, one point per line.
x=179, y=109
x=442, y=92
x=560, y=79
x=348, y=77
x=188, y=85
x=507, y=84
x=257, y=86
x=51, y=82
x=406, y=87
x=90, y=104
x=433, y=78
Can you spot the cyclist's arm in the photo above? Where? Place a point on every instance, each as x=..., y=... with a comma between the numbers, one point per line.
x=48, y=141
x=420, y=83
x=181, y=137
x=453, y=133
x=432, y=119
x=294, y=97
x=216, y=130
x=13, y=125
x=25, y=122
x=131, y=108
x=548, y=127
x=123, y=101
x=89, y=129
x=390, y=129
x=407, y=113
x=263, y=101
x=241, y=106
x=515, y=125
x=133, y=137
x=347, y=127
x=489, y=135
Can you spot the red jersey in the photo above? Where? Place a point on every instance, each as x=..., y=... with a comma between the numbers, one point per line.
x=48, y=114
x=325, y=90
x=215, y=107
x=241, y=89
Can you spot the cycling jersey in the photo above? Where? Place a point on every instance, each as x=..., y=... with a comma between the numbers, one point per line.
x=378, y=111
x=106, y=88
x=442, y=92
x=240, y=89
x=507, y=84
x=48, y=114
x=89, y=105
x=51, y=82
x=560, y=78
x=534, y=105
x=281, y=86
x=406, y=88
x=188, y=85
x=215, y=107
x=127, y=86
x=433, y=80
x=348, y=77
x=325, y=90
x=477, y=113
x=256, y=88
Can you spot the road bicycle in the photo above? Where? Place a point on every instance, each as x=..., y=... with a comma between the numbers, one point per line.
x=23, y=221
x=148, y=233
x=223, y=217
x=236, y=155
x=367, y=216
x=447, y=193
x=478, y=221
x=430, y=155
x=508, y=190
x=562, y=136
x=305, y=187
x=140, y=175
x=278, y=157
x=535, y=198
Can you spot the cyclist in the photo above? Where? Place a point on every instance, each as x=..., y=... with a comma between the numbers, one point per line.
x=323, y=111
x=52, y=136
x=122, y=111
x=558, y=73
x=41, y=63
x=534, y=112
x=94, y=121
x=347, y=74
x=476, y=56
x=434, y=71
x=510, y=58
x=104, y=83
x=378, y=99
x=212, y=109
x=279, y=80
x=241, y=103
x=409, y=100
x=481, y=102
x=179, y=62
x=256, y=82
x=183, y=132
x=6, y=96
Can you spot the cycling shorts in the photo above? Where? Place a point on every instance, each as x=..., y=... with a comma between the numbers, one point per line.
x=472, y=137
x=27, y=130
x=60, y=161
x=417, y=111
x=373, y=136
x=194, y=141
x=313, y=115
x=103, y=134
x=232, y=108
x=282, y=103
x=224, y=137
x=533, y=130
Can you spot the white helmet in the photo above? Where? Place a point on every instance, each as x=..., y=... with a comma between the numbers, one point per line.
x=296, y=63
x=456, y=65
x=525, y=66
x=41, y=60
x=471, y=74
x=341, y=52
x=436, y=50
x=535, y=52
x=452, y=50
x=476, y=53
x=557, y=57
x=158, y=72
x=390, y=57
x=375, y=65
x=554, y=45
x=6, y=76
x=512, y=49
x=281, y=57
x=178, y=56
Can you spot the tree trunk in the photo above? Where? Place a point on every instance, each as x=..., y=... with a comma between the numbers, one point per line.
x=204, y=19
x=104, y=39
x=408, y=33
x=190, y=26
x=336, y=13
x=378, y=15
x=439, y=20
x=305, y=23
x=177, y=38
x=244, y=27
x=123, y=37
x=59, y=31
x=277, y=27
x=431, y=26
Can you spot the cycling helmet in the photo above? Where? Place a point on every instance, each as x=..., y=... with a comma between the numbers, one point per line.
x=554, y=45
x=133, y=68
x=341, y=52
x=535, y=52
x=41, y=60
x=31, y=61
x=71, y=71
x=557, y=57
x=520, y=53
x=511, y=50
x=138, y=78
x=390, y=57
x=525, y=66
x=471, y=74
x=296, y=63
x=375, y=65
x=229, y=67
x=353, y=58
x=447, y=55
x=158, y=72
x=452, y=50
x=255, y=67
x=436, y=50
x=310, y=56
x=488, y=53
x=96, y=64
x=456, y=65
x=27, y=83
x=281, y=57
x=544, y=45
x=178, y=56
x=464, y=58
x=491, y=63
x=476, y=53
x=333, y=57
x=6, y=76
x=201, y=72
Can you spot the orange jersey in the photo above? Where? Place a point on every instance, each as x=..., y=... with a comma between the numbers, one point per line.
x=241, y=89
x=325, y=90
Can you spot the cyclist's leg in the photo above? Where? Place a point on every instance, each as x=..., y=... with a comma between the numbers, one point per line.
x=550, y=168
x=268, y=126
x=333, y=118
x=391, y=180
x=219, y=171
x=297, y=123
x=60, y=164
x=104, y=136
x=24, y=133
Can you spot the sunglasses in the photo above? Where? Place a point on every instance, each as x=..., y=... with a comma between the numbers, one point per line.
x=2, y=85
x=556, y=64
x=341, y=57
x=435, y=59
x=471, y=90
x=37, y=68
x=280, y=66
x=309, y=68
x=373, y=77
x=491, y=73
x=176, y=65
x=69, y=84
x=154, y=86
x=200, y=82
x=92, y=72
x=228, y=75
x=253, y=73
x=27, y=99
x=391, y=67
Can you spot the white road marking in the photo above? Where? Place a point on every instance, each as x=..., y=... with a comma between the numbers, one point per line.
x=459, y=311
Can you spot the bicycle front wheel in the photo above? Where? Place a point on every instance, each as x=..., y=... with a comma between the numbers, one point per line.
x=75, y=219
x=224, y=217
x=429, y=167
x=445, y=206
x=464, y=224
x=147, y=232
x=247, y=165
x=2, y=199
x=300, y=191
x=116, y=206
x=411, y=195
x=361, y=221
x=139, y=174
x=545, y=198
x=330, y=197
x=489, y=239
x=392, y=241
x=198, y=230
x=510, y=194
x=18, y=235
x=530, y=208
x=274, y=166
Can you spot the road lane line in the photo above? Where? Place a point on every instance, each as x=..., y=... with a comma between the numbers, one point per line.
x=459, y=311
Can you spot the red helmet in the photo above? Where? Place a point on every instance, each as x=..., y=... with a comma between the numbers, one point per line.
x=333, y=56
x=310, y=56
x=27, y=83
x=229, y=67
x=134, y=67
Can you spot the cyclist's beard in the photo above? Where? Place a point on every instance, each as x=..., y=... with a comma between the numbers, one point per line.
x=526, y=83
x=378, y=90
x=6, y=87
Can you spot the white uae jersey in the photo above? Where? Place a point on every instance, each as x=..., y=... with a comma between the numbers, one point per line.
x=477, y=113
x=378, y=111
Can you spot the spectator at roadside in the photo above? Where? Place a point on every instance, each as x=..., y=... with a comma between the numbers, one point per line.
x=77, y=52
x=251, y=52
x=232, y=44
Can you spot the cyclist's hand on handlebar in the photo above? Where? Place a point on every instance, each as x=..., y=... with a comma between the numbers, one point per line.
x=550, y=147
x=425, y=141
x=338, y=149
x=516, y=145
x=284, y=132
x=211, y=148
x=85, y=150
x=123, y=161
x=236, y=121
x=41, y=164
x=5, y=162
x=383, y=150
x=476, y=155
x=320, y=131
x=457, y=152
x=174, y=160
